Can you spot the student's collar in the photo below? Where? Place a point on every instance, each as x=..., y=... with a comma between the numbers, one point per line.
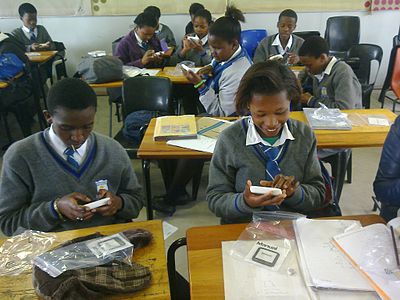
x=253, y=137
x=204, y=40
x=138, y=39
x=27, y=30
x=3, y=36
x=277, y=42
x=59, y=146
x=328, y=69
x=160, y=26
x=236, y=53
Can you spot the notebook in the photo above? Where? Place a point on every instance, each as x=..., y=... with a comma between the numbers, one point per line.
x=175, y=127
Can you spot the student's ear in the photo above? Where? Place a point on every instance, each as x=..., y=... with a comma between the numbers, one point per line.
x=235, y=44
x=48, y=117
x=277, y=24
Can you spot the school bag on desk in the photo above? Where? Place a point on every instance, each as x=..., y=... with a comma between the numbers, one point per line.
x=100, y=69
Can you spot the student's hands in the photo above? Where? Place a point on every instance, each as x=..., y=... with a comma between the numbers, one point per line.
x=38, y=47
x=293, y=58
x=197, y=46
x=255, y=200
x=192, y=76
x=305, y=97
x=148, y=56
x=287, y=184
x=113, y=205
x=35, y=47
x=206, y=70
x=69, y=207
x=169, y=52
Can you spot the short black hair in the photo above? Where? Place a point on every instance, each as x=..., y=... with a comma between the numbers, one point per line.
x=204, y=13
x=146, y=19
x=314, y=46
x=194, y=7
x=154, y=10
x=288, y=13
x=71, y=93
x=228, y=27
x=26, y=8
x=266, y=78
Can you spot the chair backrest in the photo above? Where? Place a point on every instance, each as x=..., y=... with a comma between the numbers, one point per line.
x=342, y=32
x=388, y=78
x=395, y=82
x=250, y=39
x=366, y=53
x=146, y=93
x=306, y=34
x=396, y=40
x=115, y=43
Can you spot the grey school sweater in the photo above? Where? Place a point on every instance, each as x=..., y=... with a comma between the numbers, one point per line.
x=340, y=89
x=199, y=59
x=42, y=37
x=33, y=175
x=167, y=34
x=265, y=49
x=233, y=163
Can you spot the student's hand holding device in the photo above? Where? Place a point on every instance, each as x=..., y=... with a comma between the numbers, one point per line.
x=69, y=207
x=44, y=46
x=206, y=70
x=113, y=205
x=287, y=184
x=35, y=47
x=198, y=46
x=169, y=52
x=293, y=58
x=305, y=97
x=192, y=76
x=148, y=57
x=257, y=200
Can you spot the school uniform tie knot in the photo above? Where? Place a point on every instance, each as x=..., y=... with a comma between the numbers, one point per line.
x=69, y=152
x=32, y=35
x=145, y=45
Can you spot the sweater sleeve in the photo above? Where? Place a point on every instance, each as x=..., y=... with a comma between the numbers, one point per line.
x=123, y=53
x=262, y=52
x=311, y=192
x=387, y=180
x=129, y=190
x=222, y=198
x=16, y=208
x=45, y=37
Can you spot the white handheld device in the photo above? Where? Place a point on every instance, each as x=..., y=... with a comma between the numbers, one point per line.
x=193, y=38
x=276, y=57
x=263, y=190
x=96, y=204
x=185, y=67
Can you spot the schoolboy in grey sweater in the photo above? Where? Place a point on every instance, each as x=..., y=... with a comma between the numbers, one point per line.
x=233, y=163
x=43, y=187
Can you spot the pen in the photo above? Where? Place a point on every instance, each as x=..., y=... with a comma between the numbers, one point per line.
x=396, y=253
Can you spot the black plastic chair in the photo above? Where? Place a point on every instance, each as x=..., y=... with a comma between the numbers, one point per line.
x=341, y=33
x=306, y=34
x=143, y=93
x=388, y=79
x=366, y=53
x=178, y=286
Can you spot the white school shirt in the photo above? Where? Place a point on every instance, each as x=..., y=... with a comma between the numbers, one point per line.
x=277, y=42
x=27, y=32
x=327, y=70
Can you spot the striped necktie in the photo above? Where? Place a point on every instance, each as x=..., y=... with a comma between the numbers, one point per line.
x=271, y=167
x=69, y=152
x=32, y=35
x=145, y=46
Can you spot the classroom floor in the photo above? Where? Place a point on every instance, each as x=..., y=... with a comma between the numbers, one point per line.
x=355, y=199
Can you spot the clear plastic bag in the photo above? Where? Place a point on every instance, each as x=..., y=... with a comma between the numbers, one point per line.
x=327, y=118
x=267, y=258
x=89, y=253
x=17, y=252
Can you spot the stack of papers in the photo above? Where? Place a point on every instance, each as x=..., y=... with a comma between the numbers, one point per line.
x=327, y=118
x=131, y=71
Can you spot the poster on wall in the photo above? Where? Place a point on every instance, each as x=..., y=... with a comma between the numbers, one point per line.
x=9, y=8
x=384, y=5
x=129, y=7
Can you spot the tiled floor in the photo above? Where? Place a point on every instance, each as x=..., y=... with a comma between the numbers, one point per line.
x=356, y=197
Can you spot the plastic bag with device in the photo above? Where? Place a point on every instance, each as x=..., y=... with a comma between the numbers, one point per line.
x=88, y=253
x=266, y=250
x=17, y=252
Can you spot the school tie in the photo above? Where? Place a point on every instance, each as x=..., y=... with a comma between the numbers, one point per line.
x=145, y=46
x=271, y=167
x=32, y=35
x=69, y=152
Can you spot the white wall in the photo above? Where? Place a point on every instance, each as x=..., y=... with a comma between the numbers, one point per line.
x=82, y=34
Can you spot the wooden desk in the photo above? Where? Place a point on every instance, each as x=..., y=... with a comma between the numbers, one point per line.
x=152, y=256
x=205, y=257
x=4, y=84
x=44, y=56
x=359, y=136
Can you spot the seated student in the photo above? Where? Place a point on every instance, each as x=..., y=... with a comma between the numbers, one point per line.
x=334, y=82
x=266, y=148
x=48, y=176
x=194, y=7
x=197, y=51
x=230, y=62
x=387, y=180
x=34, y=37
x=163, y=32
x=284, y=42
x=140, y=46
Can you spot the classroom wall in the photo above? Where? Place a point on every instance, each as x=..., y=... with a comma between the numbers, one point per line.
x=82, y=34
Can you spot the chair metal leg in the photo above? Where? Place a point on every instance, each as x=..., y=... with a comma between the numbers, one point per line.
x=147, y=184
x=350, y=168
x=172, y=273
x=110, y=121
x=376, y=204
x=196, y=180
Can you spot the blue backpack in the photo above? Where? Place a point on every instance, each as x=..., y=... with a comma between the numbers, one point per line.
x=10, y=65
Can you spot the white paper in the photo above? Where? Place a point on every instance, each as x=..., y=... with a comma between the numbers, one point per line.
x=316, y=249
x=378, y=122
x=168, y=229
x=202, y=143
x=371, y=248
x=243, y=280
x=107, y=245
x=151, y=72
